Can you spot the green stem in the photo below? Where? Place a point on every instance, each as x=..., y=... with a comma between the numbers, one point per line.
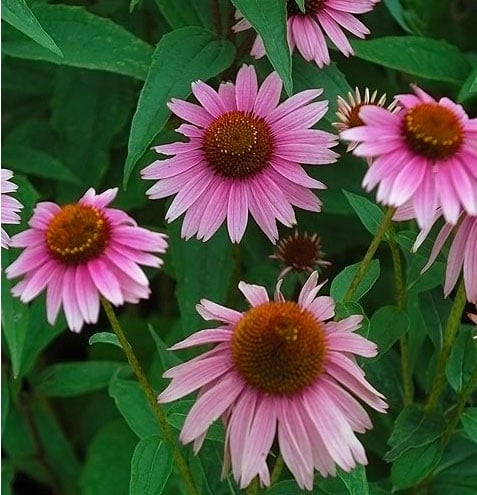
x=368, y=257
x=150, y=396
x=450, y=333
x=277, y=470
x=462, y=399
x=408, y=389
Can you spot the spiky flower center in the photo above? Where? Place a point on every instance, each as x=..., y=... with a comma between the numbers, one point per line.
x=311, y=7
x=279, y=347
x=299, y=251
x=353, y=118
x=77, y=234
x=433, y=130
x=238, y=145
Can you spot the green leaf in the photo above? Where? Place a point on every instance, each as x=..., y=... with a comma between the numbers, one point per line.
x=469, y=88
x=182, y=13
x=182, y=56
x=18, y=14
x=386, y=326
x=422, y=57
x=463, y=359
x=104, y=338
x=287, y=487
x=151, y=466
x=15, y=318
x=415, y=465
x=268, y=18
x=70, y=379
x=355, y=481
x=7, y=477
x=414, y=429
x=86, y=41
x=469, y=422
x=203, y=270
x=108, y=461
x=307, y=75
x=5, y=399
x=368, y=212
x=343, y=280
x=395, y=9
x=133, y=406
x=435, y=312
x=301, y=5
x=456, y=473
x=21, y=158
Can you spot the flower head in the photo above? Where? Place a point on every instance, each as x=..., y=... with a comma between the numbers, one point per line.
x=307, y=30
x=10, y=206
x=462, y=254
x=243, y=155
x=81, y=251
x=300, y=252
x=425, y=154
x=348, y=110
x=280, y=370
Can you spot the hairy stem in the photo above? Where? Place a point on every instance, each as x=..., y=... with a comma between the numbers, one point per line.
x=363, y=267
x=450, y=333
x=407, y=385
x=151, y=397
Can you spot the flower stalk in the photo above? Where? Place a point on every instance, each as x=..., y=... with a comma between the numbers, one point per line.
x=150, y=396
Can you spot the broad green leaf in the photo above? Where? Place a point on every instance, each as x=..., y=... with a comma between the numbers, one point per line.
x=133, y=406
x=463, y=359
x=104, y=338
x=415, y=465
x=70, y=379
x=39, y=334
x=435, y=311
x=108, y=461
x=86, y=41
x=28, y=160
x=168, y=359
x=151, y=466
x=343, y=280
x=5, y=399
x=287, y=487
x=177, y=413
x=368, y=212
x=395, y=9
x=268, y=18
x=343, y=310
x=132, y=5
x=18, y=14
x=15, y=318
x=307, y=75
x=203, y=270
x=422, y=57
x=414, y=429
x=88, y=110
x=182, y=56
x=355, y=481
x=469, y=422
x=469, y=88
x=456, y=473
x=386, y=326
x=7, y=477
x=182, y=13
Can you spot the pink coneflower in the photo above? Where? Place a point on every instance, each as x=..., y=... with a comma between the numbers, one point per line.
x=425, y=154
x=81, y=251
x=10, y=206
x=348, y=110
x=243, y=155
x=280, y=370
x=300, y=252
x=462, y=255
x=321, y=18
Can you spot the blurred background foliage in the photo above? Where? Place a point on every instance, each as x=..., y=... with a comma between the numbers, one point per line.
x=84, y=94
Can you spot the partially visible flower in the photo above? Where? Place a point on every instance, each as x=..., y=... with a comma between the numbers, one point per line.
x=10, y=206
x=300, y=252
x=473, y=319
x=348, y=110
x=462, y=256
x=244, y=154
x=425, y=154
x=81, y=251
x=281, y=370
x=321, y=18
